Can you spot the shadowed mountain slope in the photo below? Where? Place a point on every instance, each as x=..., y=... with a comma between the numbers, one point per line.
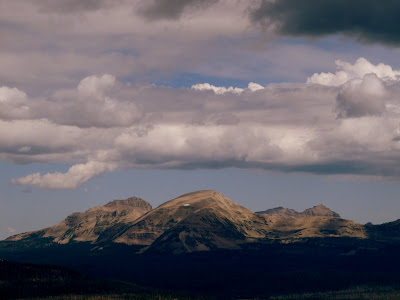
x=387, y=232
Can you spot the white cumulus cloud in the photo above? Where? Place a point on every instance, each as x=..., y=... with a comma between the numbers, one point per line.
x=361, y=97
x=358, y=70
x=91, y=104
x=74, y=178
x=95, y=86
x=13, y=104
x=219, y=90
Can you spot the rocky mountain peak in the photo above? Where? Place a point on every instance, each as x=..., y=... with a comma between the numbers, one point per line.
x=130, y=202
x=320, y=210
x=199, y=199
x=88, y=226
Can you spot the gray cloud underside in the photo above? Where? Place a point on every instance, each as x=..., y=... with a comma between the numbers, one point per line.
x=73, y=6
x=366, y=20
x=170, y=9
x=150, y=9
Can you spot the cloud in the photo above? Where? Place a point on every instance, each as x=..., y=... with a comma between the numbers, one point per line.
x=222, y=90
x=91, y=104
x=11, y=95
x=76, y=88
x=29, y=138
x=351, y=128
x=170, y=9
x=362, y=97
x=358, y=146
x=11, y=230
x=177, y=146
x=13, y=104
x=74, y=6
x=358, y=70
x=74, y=178
x=364, y=86
x=216, y=89
x=368, y=21
x=65, y=41
x=95, y=86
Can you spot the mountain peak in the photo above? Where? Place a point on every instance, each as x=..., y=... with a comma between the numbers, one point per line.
x=130, y=202
x=199, y=220
x=201, y=193
x=199, y=199
x=320, y=210
x=88, y=226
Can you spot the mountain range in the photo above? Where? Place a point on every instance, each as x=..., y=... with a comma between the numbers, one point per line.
x=203, y=221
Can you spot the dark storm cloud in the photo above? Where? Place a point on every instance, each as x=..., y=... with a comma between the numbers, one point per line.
x=369, y=21
x=170, y=9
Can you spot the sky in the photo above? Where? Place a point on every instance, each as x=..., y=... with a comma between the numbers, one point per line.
x=273, y=103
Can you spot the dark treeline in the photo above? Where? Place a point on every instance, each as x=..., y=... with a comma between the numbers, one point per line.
x=259, y=270
x=32, y=281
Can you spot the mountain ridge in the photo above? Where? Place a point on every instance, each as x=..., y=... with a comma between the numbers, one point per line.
x=202, y=221
x=318, y=210
x=89, y=225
